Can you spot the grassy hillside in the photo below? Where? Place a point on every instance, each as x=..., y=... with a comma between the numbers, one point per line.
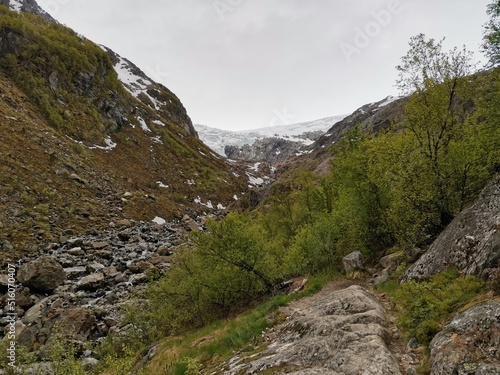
x=61, y=109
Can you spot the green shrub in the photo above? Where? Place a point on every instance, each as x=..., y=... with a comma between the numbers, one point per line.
x=426, y=305
x=22, y=358
x=63, y=357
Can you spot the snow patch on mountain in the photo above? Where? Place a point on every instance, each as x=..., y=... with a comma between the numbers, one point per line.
x=389, y=100
x=135, y=84
x=16, y=5
x=218, y=139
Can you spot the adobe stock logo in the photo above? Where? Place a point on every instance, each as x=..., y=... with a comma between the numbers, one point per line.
x=372, y=29
x=222, y=7
x=281, y=117
x=53, y=7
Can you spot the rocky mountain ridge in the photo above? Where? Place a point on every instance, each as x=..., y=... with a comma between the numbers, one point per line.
x=27, y=6
x=371, y=118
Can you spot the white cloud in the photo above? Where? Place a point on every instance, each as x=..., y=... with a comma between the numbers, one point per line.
x=269, y=54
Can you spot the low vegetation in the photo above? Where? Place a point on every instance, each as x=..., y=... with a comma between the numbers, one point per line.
x=66, y=75
x=395, y=190
x=425, y=306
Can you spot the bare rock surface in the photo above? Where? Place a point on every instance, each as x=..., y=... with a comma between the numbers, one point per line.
x=332, y=332
x=470, y=343
x=471, y=242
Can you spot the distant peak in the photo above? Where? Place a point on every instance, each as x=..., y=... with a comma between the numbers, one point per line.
x=27, y=6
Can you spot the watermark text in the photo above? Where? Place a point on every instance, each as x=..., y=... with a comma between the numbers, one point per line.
x=11, y=315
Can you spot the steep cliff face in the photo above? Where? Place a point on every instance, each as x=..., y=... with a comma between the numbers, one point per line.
x=152, y=94
x=269, y=150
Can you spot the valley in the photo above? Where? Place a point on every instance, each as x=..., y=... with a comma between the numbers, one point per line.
x=134, y=242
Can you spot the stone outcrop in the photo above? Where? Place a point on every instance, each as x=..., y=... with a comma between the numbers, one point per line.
x=471, y=242
x=334, y=332
x=469, y=344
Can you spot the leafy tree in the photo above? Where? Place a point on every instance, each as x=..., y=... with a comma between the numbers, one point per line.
x=292, y=204
x=491, y=36
x=440, y=101
x=236, y=243
x=359, y=204
x=314, y=248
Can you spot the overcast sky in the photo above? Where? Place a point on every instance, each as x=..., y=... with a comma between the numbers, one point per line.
x=241, y=64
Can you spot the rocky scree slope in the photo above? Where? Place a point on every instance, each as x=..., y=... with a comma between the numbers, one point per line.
x=79, y=148
x=79, y=283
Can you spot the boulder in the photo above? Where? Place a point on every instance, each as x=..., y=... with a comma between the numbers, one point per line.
x=353, y=262
x=100, y=245
x=124, y=236
x=124, y=223
x=91, y=282
x=392, y=261
x=75, y=272
x=35, y=312
x=140, y=266
x=94, y=267
x=24, y=298
x=89, y=363
x=4, y=282
x=27, y=337
x=43, y=274
x=164, y=250
x=77, y=323
x=469, y=344
x=110, y=272
x=471, y=242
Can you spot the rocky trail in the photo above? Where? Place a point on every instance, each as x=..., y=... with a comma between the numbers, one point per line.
x=343, y=329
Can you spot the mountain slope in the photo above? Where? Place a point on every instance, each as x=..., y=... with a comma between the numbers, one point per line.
x=372, y=118
x=27, y=6
x=74, y=140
